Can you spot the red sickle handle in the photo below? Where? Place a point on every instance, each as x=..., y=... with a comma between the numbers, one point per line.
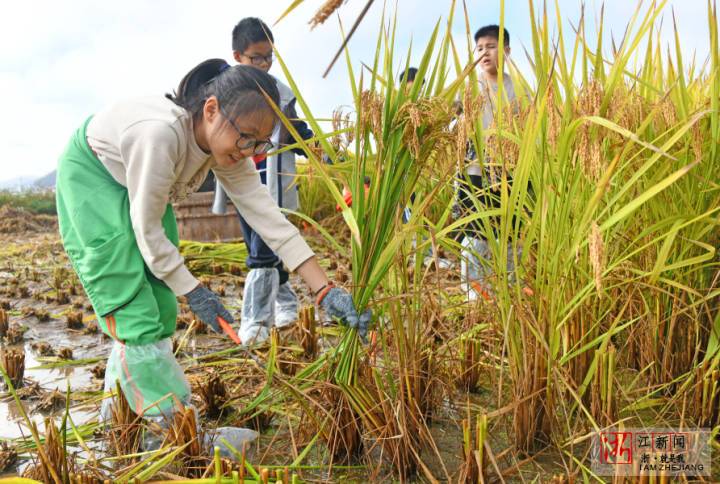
x=228, y=330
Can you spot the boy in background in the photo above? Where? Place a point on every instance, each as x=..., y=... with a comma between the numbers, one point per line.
x=268, y=298
x=479, y=181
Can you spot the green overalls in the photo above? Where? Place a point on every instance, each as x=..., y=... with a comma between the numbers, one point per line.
x=133, y=307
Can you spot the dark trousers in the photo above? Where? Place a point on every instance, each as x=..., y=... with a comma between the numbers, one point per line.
x=260, y=256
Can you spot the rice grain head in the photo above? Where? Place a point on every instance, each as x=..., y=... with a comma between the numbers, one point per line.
x=697, y=141
x=668, y=113
x=597, y=255
x=337, y=117
x=553, y=119
x=372, y=108
x=589, y=99
x=324, y=12
x=347, y=124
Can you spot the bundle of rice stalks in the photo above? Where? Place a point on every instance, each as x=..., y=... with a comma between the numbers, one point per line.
x=74, y=320
x=307, y=328
x=43, y=349
x=400, y=133
x=706, y=394
x=54, y=464
x=51, y=402
x=8, y=456
x=98, y=371
x=342, y=432
x=474, y=466
x=65, y=353
x=13, y=362
x=88, y=477
x=287, y=358
x=62, y=297
x=213, y=259
x=470, y=357
x=4, y=323
x=604, y=406
x=398, y=397
x=213, y=393
x=183, y=432
x=15, y=334
x=125, y=433
x=60, y=277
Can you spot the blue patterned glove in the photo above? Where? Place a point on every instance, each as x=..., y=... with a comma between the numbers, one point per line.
x=207, y=306
x=338, y=303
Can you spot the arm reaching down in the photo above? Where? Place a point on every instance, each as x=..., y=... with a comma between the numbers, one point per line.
x=150, y=149
x=242, y=184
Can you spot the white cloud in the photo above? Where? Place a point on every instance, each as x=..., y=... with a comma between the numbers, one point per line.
x=62, y=61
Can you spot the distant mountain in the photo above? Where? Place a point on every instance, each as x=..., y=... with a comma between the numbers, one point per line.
x=17, y=183
x=47, y=181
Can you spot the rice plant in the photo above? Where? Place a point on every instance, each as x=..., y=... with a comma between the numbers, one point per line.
x=13, y=363
x=606, y=175
x=603, y=157
x=4, y=323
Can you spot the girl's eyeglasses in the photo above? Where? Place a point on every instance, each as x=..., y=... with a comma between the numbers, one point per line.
x=246, y=141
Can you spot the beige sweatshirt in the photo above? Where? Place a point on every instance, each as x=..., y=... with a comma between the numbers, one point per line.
x=149, y=147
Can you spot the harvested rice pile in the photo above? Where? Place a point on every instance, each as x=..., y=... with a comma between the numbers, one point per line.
x=15, y=220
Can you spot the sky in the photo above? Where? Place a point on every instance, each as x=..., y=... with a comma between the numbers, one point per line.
x=63, y=61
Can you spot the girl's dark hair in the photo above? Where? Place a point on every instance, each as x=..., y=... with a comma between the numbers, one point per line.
x=239, y=89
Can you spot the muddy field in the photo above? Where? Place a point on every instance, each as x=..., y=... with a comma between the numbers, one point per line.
x=52, y=323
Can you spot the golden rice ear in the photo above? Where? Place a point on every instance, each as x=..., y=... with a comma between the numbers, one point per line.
x=326, y=10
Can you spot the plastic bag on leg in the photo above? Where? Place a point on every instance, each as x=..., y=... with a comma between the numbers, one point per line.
x=258, y=311
x=150, y=377
x=286, y=306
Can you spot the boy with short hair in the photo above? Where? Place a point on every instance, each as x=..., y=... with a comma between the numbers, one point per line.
x=479, y=181
x=408, y=76
x=268, y=298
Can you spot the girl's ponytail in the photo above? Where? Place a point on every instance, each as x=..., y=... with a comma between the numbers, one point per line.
x=191, y=85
